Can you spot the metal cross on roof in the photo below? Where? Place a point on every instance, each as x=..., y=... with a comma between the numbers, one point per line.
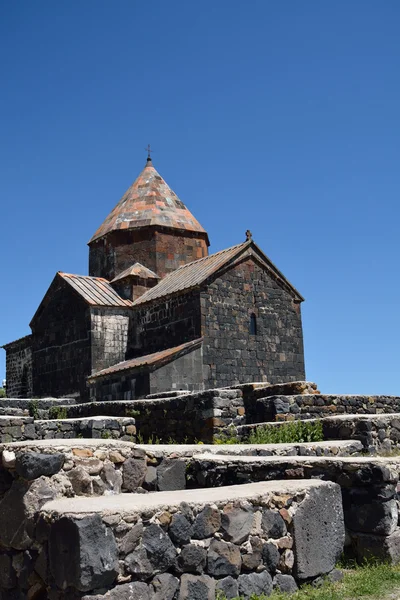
x=149, y=151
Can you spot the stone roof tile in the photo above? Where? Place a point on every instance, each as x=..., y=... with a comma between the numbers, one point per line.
x=149, y=201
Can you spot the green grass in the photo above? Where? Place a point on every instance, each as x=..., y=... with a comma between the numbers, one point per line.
x=58, y=412
x=289, y=432
x=2, y=392
x=370, y=581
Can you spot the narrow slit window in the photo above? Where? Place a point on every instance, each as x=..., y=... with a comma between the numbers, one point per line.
x=253, y=324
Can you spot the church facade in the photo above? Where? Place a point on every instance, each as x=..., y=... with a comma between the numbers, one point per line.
x=157, y=312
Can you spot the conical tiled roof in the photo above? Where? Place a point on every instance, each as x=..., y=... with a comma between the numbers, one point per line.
x=149, y=201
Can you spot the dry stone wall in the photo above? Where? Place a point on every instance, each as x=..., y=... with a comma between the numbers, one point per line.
x=308, y=406
x=241, y=540
x=13, y=429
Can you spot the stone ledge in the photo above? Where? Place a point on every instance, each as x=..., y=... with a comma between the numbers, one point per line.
x=129, y=503
x=335, y=447
x=375, y=431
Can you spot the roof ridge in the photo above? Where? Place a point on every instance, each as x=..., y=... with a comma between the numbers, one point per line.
x=83, y=276
x=204, y=258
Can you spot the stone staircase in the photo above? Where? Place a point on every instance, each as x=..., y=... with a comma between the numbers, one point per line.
x=87, y=512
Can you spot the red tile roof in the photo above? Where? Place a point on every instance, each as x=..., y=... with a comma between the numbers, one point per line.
x=95, y=290
x=149, y=201
x=157, y=359
x=136, y=270
x=195, y=273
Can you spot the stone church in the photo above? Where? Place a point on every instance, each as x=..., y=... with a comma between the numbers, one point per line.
x=157, y=312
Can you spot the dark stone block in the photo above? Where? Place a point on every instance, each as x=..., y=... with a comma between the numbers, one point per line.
x=228, y=587
x=134, y=472
x=223, y=559
x=192, y=559
x=197, y=587
x=378, y=518
x=83, y=553
x=273, y=524
x=165, y=586
x=270, y=555
x=32, y=465
x=318, y=531
x=180, y=530
x=236, y=523
x=285, y=583
x=160, y=550
x=255, y=583
x=207, y=522
x=171, y=475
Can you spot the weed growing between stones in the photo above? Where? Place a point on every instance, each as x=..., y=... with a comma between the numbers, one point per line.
x=33, y=409
x=58, y=412
x=289, y=432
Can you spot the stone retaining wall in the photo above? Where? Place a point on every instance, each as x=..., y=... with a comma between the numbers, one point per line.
x=308, y=406
x=240, y=540
x=369, y=490
x=377, y=433
x=201, y=416
x=13, y=429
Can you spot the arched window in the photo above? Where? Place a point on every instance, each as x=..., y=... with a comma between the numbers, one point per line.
x=253, y=324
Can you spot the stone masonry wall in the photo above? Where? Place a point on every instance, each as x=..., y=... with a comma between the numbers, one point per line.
x=308, y=406
x=241, y=541
x=61, y=345
x=164, y=324
x=199, y=416
x=19, y=368
x=183, y=373
x=232, y=355
x=369, y=491
x=15, y=429
x=109, y=335
x=160, y=251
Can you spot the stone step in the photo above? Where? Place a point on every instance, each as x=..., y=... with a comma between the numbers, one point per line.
x=316, y=405
x=376, y=432
x=192, y=543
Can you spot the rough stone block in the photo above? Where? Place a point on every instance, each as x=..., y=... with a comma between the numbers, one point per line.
x=197, y=587
x=160, y=549
x=285, y=583
x=255, y=583
x=165, y=586
x=180, y=530
x=228, y=587
x=223, y=559
x=83, y=553
x=368, y=546
x=273, y=524
x=134, y=472
x=379, y=518
x=31, y=465
x=207, y=522
x=236, y=523
x=318, y=531
x=192, y=559
x=171, y=475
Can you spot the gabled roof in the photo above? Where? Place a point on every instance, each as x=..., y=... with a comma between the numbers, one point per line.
x=149, y=201
x=136, y=270
x=152, y=361
x=195, y=273
x=94, y=290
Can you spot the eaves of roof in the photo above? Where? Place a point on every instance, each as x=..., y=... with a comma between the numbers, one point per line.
x=150, y=361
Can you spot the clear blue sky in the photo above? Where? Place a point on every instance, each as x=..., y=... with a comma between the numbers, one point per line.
x=277, y=116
